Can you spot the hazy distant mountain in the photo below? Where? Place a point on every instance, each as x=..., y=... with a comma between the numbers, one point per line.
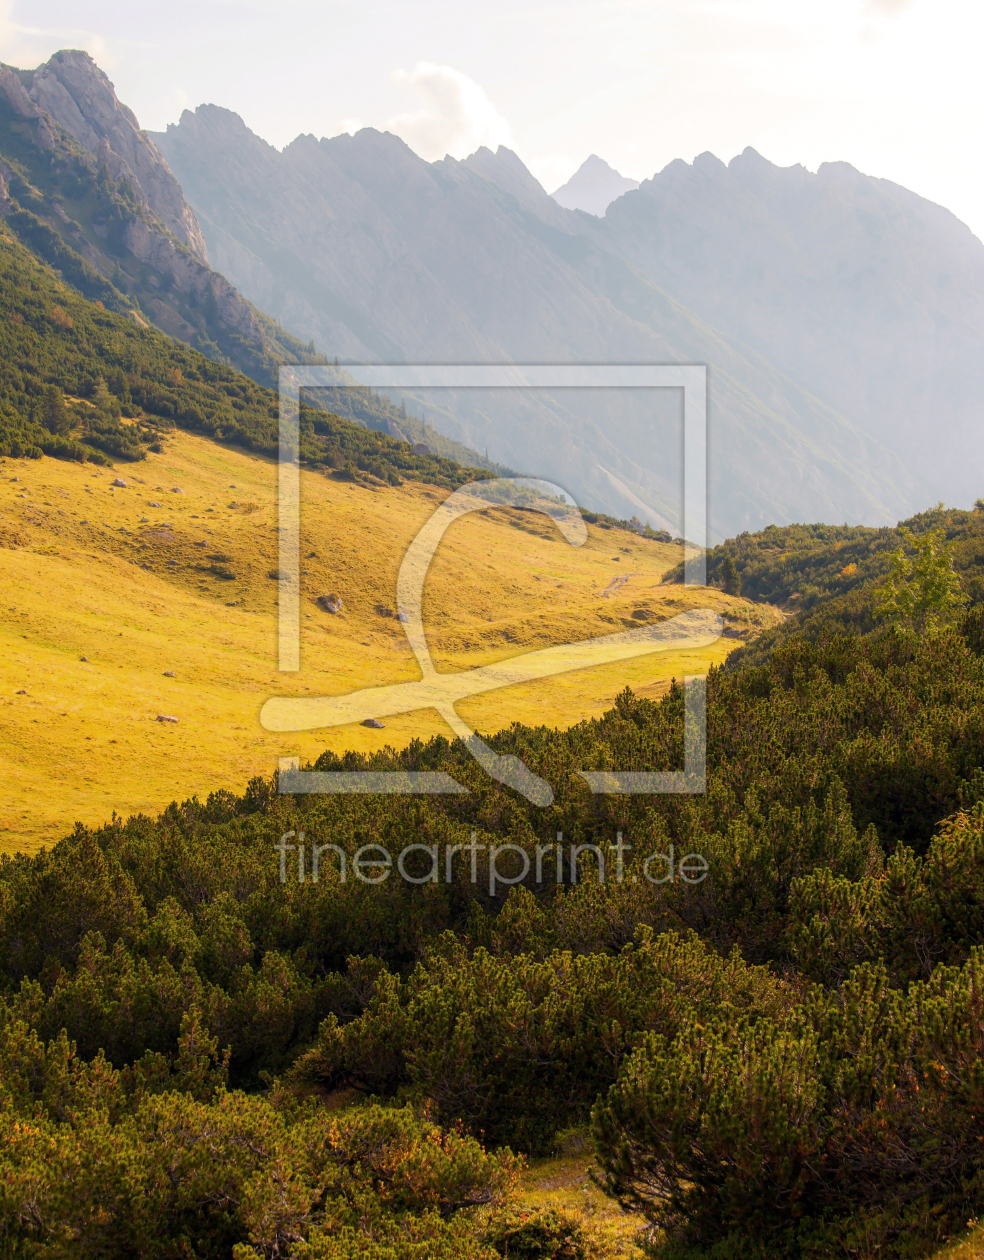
x=593, y=187
x=841, y=317
x=379, y=256
x=869, y=296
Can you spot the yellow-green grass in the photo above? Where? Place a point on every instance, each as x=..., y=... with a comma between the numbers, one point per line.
x=564, y=1184
x=970, y=1247
x=80, y=739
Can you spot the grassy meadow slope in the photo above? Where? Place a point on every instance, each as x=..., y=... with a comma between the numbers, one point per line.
x=96, y=571
x=185, y=588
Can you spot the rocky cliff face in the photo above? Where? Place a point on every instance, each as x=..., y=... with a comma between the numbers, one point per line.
x=62, y=128
x=72, y=90
x=22, y=107
x=380, y=256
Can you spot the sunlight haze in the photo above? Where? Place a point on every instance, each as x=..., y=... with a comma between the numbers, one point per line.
x=892, y=87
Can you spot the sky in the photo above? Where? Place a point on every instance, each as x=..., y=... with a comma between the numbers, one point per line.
x=892, y=86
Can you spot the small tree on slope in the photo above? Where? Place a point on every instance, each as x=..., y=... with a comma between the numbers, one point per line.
x=922, y=589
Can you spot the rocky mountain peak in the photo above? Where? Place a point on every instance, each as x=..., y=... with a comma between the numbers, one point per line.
x=213, y=120
x=72, y=89
x=593, y=187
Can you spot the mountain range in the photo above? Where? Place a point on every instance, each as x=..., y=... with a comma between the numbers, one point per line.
x=840, y=316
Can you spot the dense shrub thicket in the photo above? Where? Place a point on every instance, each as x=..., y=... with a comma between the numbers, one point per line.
x=782, y=1060
x=806, y=567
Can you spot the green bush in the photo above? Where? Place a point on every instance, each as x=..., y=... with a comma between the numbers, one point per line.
x=163, y=1161
x=544, y=1235
x=860, y=1113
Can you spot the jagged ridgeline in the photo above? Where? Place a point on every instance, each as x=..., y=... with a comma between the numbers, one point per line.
x=79, y=381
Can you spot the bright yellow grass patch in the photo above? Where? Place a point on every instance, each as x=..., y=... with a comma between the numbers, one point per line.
x=563, y=1184
x=80, y=739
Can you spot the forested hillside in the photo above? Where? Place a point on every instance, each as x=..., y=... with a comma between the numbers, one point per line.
x=827, y=576
x=78, y=381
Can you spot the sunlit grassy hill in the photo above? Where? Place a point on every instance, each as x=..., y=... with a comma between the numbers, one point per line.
x=168, y=587
x=146, y=582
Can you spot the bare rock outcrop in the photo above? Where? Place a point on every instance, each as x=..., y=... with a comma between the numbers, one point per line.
x=16, y=94
x=185, y=296
x=395, y=431
x=190, y=278
x=6, y=205
x=72, y=89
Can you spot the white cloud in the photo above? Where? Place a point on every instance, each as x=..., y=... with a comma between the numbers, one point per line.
x=456, y=115
x=28, y=46
x=347, y=126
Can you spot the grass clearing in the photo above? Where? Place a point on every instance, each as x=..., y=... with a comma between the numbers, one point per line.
x=564, y=1184
x=144, y=582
